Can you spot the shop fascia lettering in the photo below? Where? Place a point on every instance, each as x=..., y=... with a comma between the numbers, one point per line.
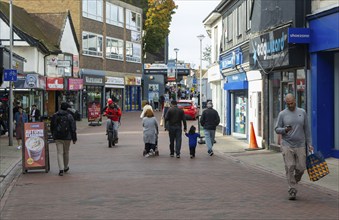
x=93, y=80
x=270, y=46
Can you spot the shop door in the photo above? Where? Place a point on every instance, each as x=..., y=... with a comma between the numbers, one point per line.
x=132, y=98
x=240, y=114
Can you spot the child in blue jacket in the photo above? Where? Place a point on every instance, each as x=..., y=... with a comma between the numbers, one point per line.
x=192, y=140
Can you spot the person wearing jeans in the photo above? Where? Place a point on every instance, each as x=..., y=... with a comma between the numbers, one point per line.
x=174, y=117
x=209, y=121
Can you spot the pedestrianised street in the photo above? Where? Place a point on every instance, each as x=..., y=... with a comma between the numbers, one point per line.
x=119, y=183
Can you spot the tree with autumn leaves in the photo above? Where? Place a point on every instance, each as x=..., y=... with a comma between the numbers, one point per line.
x=157, y=23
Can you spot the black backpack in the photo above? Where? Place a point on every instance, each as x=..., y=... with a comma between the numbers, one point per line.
x=62, y=126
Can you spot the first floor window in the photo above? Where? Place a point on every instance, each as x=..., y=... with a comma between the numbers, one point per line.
x=114, y=48
x=133, y=52
x=91, y=44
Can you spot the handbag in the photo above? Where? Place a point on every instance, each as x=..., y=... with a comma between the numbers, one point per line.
x=316, y=166
x=161, y=122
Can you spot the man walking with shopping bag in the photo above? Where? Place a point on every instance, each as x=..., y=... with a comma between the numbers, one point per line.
x=294, y=129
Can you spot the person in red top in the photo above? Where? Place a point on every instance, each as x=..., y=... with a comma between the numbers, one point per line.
x=113, y=114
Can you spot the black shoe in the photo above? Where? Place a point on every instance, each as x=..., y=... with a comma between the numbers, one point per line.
x=292, y=194
x=116, y=140
x=61, y=173
x=192, y=156
x=211, y=153
x=66, y=170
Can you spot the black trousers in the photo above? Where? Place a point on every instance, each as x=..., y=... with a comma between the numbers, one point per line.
x=192, y=151
x=175, y=135
x=149, y=146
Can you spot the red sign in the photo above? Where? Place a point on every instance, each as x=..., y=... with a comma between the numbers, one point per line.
x=94, y=111
x=54, y=83
x=34, y=145
x=75, y=84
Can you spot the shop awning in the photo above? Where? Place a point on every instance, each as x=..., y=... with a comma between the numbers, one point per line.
x=236, y=85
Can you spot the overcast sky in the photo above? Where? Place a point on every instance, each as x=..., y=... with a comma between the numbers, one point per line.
x=186, y=26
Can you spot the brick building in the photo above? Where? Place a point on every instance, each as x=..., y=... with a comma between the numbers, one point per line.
x=109, y=34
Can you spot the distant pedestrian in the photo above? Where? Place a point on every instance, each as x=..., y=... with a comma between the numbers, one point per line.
x=294, y=128
x=20, y=119
x=63, y=129
x=35, y=114
x=192, y=140
x=209, y=121
x=162, y=101
x=150, y=131
x=174, y=117
x=145, y=108
x=156, y=102
x=164, y=112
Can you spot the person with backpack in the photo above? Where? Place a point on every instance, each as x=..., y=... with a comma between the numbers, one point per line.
x=63, y=130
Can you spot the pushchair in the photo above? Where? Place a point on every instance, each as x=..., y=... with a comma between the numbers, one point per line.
x=156, y=150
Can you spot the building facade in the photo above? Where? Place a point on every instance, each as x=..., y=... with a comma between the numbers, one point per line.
x=323, y=23
x=109, y=32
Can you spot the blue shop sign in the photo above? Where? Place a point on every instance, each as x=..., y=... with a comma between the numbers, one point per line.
x=236, y=82
x=299, y=35
x=10, y=75
x=230, y=59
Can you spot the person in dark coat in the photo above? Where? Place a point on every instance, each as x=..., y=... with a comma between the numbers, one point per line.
x=20, y=119
x=35, y=114
x=174, y=117
x=63, y=137
x=209, y=120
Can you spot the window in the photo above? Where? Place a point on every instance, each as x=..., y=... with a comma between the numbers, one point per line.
x=229, y=26
x=114, y=15
x=216, y=40
x=238, y=20
x=114, y=48
x=91, y=44
x=133, y=20
x=92, y=9
x=248, y=14
x=133, y=52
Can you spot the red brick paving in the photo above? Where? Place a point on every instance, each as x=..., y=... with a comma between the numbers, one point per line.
x=118, y=183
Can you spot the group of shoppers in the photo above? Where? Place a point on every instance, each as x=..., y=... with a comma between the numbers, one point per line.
x=174, y=121
x=292, y=125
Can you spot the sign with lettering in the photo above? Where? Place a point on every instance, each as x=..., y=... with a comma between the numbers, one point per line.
x=54, y=83
x=299, y=35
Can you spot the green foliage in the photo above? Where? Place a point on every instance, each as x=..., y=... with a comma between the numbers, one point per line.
x=157, y=23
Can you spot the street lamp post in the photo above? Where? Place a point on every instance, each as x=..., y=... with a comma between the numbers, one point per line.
x=176, y=73
x=200, y=37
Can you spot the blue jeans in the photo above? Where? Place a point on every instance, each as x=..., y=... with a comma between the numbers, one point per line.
x=115, y=127
x=175, y=135
x=209, y=139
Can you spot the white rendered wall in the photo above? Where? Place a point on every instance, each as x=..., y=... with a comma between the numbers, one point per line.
x=67, y=43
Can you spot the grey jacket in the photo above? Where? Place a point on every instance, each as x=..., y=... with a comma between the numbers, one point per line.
x=150, y=128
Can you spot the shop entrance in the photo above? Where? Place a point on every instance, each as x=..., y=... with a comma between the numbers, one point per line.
x=239, y=125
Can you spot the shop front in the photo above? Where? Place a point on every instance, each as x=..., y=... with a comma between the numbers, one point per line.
x=29, y=90
x=282, y=66
x=324, y=55
x=236, y=97
x=73, y=95
x=55, y=88
x=216, y=82
x=93, y=92
x=132, y=93
x=114, y=88
x=233, y=67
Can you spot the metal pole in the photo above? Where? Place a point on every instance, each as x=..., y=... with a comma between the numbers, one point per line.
x=176, y=75
x=201, y=37
x=176, y=50
x=10, y=121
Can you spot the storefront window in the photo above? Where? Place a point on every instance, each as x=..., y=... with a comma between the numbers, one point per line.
x=240, y=110
x=275, y=101
x=132, y=98
x=301, y=89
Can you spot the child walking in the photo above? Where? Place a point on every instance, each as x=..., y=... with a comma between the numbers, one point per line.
x=192, y=140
